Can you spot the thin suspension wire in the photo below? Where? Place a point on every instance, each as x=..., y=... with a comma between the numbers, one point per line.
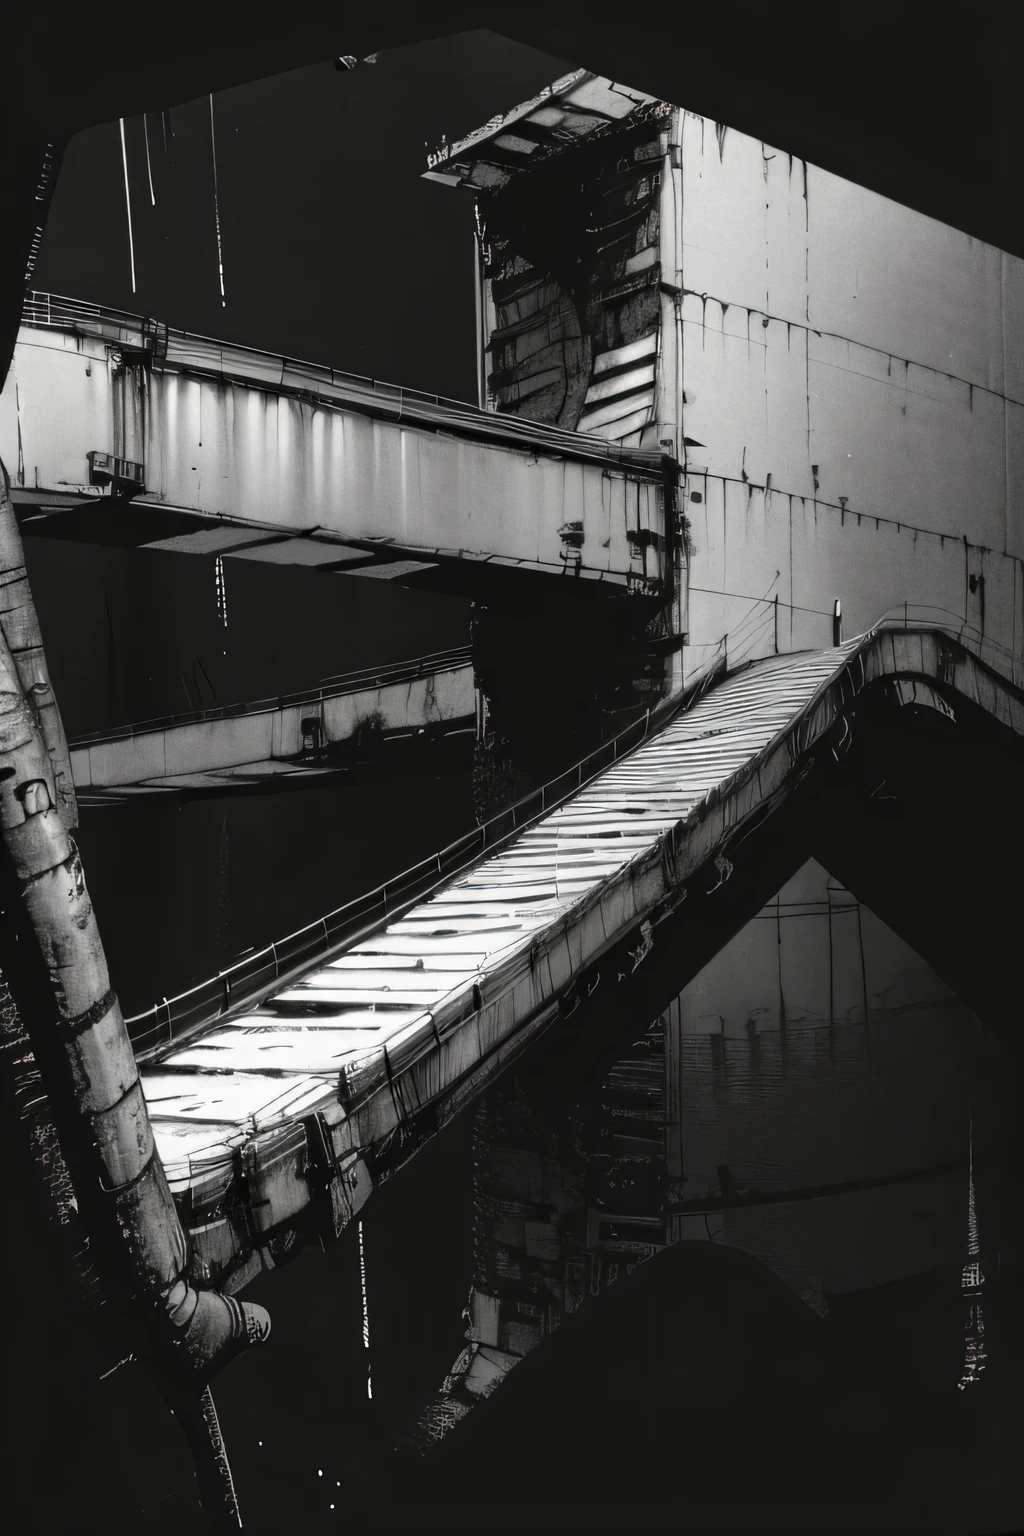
x=149, y=168
x=216, y=207
x=366, y=1314
x=128, y=202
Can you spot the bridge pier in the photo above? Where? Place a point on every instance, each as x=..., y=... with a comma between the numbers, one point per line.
x=88, y=1067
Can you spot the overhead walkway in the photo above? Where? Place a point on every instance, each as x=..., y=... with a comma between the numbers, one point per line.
x=291, y=736
x=291, y=1071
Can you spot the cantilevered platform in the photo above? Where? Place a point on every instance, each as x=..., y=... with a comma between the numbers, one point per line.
x=283, y=1102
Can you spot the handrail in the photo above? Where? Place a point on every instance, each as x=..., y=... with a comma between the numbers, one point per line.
x=329, y=688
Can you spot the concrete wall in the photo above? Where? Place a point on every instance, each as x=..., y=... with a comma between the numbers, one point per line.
x=757, y=544
x=55, y=407
x=250, y=452
x=785, y=953
x=813, y=1106
x=853, y=386
x=204, y=745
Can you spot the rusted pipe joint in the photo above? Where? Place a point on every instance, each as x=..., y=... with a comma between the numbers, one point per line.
x=218, y=1328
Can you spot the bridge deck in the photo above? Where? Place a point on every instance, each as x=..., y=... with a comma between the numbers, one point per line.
x=206, y=433
x=260, y=1109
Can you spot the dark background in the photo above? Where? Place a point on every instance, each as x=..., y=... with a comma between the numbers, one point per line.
x=901, y=98
x=335, y=249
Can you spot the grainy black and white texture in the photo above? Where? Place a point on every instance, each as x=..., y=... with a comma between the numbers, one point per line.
x=526, y=529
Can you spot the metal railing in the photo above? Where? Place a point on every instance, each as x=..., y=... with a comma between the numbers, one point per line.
x=329, y=688
x=259, y=974
x=54, y=311
x=206, y=354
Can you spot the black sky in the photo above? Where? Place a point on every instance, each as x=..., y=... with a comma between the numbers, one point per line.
x=335, y=249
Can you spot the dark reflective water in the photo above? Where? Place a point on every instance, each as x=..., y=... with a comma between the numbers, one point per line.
x=716, y=1274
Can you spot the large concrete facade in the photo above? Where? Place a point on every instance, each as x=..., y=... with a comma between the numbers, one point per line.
x=851, y=371
x=841, y=376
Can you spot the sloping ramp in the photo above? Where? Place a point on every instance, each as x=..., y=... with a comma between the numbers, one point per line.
x=272, y=1109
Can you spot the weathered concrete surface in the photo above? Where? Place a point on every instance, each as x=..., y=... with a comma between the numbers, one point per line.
x=161, y=757
x=232, y=433
x=840, y=375
x=417, y=1018
x=852, y=378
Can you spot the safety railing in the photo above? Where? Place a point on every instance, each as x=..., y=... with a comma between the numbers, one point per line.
x=260, y=973
x=56, y=311
x=329, y=688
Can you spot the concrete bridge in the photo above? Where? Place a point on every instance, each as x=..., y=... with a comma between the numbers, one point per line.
x=794, y=1100
x=292, y=1074
x=105, y=411
x=294, y=735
